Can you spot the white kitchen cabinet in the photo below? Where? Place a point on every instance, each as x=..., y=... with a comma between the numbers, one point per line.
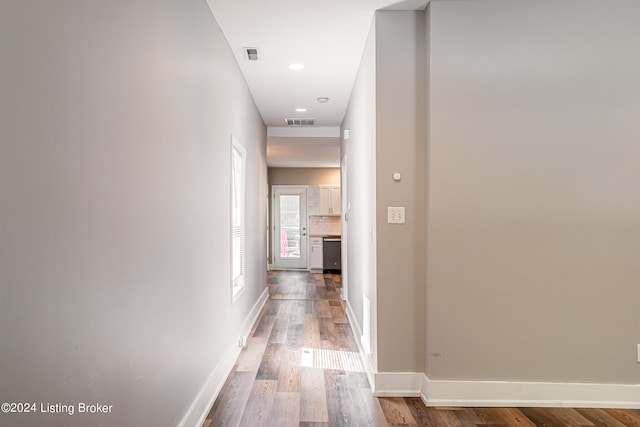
x=315, y=254
x=329, y=200
x=313, y=200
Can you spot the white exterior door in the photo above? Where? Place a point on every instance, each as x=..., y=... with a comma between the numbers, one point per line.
x=290, y=227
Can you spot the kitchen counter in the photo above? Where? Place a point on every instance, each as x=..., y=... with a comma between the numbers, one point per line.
x=336, y=236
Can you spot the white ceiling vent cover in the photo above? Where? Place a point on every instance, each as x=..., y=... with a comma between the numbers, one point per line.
x=251, y=53
x=300, y=122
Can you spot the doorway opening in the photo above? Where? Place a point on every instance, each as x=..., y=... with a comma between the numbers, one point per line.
x=290, y=227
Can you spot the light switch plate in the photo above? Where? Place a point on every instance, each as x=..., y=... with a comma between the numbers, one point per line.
x=395, y=215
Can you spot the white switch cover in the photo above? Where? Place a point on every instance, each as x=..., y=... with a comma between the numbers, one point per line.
x=395, y=215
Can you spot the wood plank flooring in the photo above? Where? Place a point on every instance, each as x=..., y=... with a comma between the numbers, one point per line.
x=301, y=368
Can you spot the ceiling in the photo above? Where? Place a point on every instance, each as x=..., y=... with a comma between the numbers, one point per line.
x=327, y=37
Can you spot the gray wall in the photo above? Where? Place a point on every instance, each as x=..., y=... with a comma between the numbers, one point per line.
x=114, y=213
x=534, y=229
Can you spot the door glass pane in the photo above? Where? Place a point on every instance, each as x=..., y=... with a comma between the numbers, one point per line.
x=290, y=226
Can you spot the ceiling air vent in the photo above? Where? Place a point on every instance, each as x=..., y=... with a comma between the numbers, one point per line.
x=251, y=53
x=300, y=122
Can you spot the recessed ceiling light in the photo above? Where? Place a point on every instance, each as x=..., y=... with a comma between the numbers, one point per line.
x=296, y=67
x=301, y=110
x=323, y=100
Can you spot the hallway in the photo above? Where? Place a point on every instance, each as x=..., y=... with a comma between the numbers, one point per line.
x=301, y=368
x=301, y=365
x=137, y=165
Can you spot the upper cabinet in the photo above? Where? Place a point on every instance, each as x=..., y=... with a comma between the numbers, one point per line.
x=329, y=200
x=313, y=200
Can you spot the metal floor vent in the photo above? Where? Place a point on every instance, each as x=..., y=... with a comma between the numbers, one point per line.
x=338, y=360
x=300, y=122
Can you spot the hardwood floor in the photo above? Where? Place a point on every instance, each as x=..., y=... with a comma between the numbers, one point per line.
x=301, y=368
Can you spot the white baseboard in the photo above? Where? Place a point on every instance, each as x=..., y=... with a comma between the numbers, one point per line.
x=397, y=384
x=356, y=330
x=424, y=388
x=531, y=394
x=203, y=402
x=506, y=394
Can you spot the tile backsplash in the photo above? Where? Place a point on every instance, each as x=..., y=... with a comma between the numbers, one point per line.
x=324, y=225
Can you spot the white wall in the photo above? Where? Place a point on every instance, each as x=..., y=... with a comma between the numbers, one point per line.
x=535, y=192
x=114, y=214
x=360, y=120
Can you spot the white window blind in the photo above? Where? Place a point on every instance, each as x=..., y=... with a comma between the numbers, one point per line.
x=238, y=234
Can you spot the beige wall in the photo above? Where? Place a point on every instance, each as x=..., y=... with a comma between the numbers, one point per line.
x=386, y=119
x=534, y=225
x=526, y=192
x=400, y=147
x=304, y=176
x=114, y=213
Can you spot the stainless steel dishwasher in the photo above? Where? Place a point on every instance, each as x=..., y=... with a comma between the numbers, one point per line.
x=331, y=253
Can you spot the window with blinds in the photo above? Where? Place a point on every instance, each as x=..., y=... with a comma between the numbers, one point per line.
x=238, y=234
